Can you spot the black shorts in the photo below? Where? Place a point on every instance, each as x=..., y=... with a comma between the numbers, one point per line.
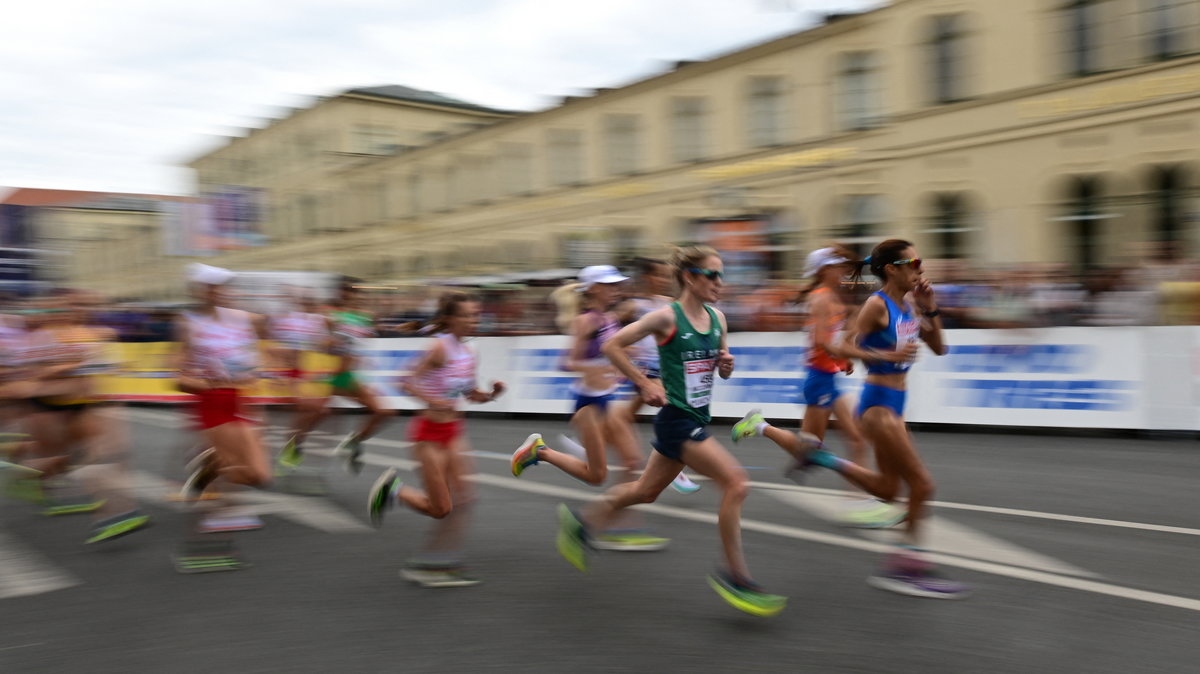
x=43, y=405
x=672, y=428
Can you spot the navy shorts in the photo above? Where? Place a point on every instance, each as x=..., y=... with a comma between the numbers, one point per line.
x=881, y=396
x=582, y=401
x=672, y=428
x=820, y=388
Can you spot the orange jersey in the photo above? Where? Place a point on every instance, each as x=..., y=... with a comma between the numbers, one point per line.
x=818, y=358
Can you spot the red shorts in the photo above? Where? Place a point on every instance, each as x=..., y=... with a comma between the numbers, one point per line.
x=294, y=373
x=219, y=406
x=421, y=429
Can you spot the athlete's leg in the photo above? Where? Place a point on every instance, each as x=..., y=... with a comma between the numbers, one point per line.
x=898, y=461
x=660, y=470
x=847, y=425
x=239, y=454
x=590, y=422
x=364, y=396
x=435, y=498
x=711, y=460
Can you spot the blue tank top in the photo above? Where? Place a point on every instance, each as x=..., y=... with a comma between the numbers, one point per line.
x=901, y=329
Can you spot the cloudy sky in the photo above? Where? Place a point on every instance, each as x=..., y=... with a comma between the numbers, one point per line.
x=113, y=96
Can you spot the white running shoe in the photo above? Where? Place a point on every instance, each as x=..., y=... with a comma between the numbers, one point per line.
x=684, y=485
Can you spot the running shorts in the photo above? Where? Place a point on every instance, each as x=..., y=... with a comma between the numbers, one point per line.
x=443, y=433
x=820, y=388
x=219, y=406
x=881, y=396
x=672, y=428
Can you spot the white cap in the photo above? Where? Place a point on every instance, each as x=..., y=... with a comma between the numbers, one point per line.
x=821, y=258
x=600, y=273
x=208, y=275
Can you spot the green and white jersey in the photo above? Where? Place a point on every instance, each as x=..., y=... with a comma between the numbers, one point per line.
x=688, y=360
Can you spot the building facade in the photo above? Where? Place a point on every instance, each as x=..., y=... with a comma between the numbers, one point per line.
x=998, y=133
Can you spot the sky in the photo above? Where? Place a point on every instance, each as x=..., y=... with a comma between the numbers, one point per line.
x=117, y=95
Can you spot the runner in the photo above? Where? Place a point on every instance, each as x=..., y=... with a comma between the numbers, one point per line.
x=827, y=310
x=692, y=344
x=444, y=374
x=350, y=324
x=218, y=358
x=885, y=336
x=653, y=282
x=297, y=334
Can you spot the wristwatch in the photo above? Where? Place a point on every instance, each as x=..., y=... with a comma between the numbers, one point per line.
x=932, y=314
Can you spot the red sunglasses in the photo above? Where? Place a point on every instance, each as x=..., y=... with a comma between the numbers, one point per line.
x=914, y=261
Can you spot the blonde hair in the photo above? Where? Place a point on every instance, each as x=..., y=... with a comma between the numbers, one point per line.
x=567, y=299
x=688, y=257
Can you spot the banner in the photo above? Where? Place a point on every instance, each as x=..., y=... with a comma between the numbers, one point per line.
x=1108, y=378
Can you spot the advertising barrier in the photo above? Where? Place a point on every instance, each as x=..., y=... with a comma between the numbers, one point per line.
x=1109, y=378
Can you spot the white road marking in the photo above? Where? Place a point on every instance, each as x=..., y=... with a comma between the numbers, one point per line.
x=941, y=535
x=24, y=572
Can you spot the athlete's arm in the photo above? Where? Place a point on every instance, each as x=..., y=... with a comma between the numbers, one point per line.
x=185, y=380
x=821, y=314
x=659, y=323
x=581, y=330
x=724, y=358
x=931, y=326
x=872, y=317
x=433, y=359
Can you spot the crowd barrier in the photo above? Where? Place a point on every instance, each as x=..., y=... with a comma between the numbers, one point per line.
x=1144, y=378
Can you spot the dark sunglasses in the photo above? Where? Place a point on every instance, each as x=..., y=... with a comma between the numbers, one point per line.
x=709, y=274
x=914, y=261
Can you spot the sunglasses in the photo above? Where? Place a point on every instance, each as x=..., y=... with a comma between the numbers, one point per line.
x=914, y=261
x=709, y=274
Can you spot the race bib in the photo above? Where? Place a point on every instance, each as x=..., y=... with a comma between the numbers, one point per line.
x=698, y=378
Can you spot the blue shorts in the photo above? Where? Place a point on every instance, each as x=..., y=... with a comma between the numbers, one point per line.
x=881, y=396
x=672, y=428
x=820, y=388
x=582, y=401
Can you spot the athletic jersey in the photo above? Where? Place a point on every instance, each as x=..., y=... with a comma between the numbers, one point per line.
x=817, y=357
x=14, y=343
x=688, y=359
x=224, y=347
x=456, y=376
x=645, y=350
x=299, y=331
x=593, y=353
x=901, y=330
x=350, y=328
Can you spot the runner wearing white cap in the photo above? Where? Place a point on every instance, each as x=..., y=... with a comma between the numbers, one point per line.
x=598, y=381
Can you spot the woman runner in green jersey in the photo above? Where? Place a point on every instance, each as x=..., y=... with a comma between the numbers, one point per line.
x=692, y=345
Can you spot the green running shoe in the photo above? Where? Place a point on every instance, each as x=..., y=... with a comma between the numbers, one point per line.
x=27, y=488
x=73, y=507
x=747, y=426
x=382, y=496
x=874, y=514
x=572, y=538
x=629, y=541
x=527, y=454
x=121, y=525
x=746, y=595
x=291, y=455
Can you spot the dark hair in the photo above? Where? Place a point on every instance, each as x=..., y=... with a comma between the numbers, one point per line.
x=448, y=306
x=644, y=265
x=881, y=256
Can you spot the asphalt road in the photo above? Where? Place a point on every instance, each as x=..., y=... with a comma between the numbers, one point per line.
x=1082, y=553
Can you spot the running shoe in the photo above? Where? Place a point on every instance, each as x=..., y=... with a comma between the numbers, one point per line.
x=439, y=577
x=527, y=454
x=629, y=541
x=120, y=525
x=684, y=485
x=26, y=485
x=202, y=469
x=798, y=468
x=873, y=514
x=291, y=456
x=572, y=538
x=71, y=503
x=748, y=426
x=907, y=574
x=351, y=448
x=217, y=524
x=382, y=496
x=207, y=557
x=746, y=595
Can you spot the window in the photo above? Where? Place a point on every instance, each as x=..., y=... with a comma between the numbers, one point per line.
x=766, y=113
x=946, y=59
x=861, y=218
x=622, y=142
x=373, y=139
x=1170, y=27
x=688, y=129
x=1084, y=24
x=858, y=91
x=516, y=168
x=1084, y=216
x=1170, y=189
x=949, y=226
x=564, y=154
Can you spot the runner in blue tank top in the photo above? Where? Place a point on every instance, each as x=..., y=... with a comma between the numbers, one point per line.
x=885, y=337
